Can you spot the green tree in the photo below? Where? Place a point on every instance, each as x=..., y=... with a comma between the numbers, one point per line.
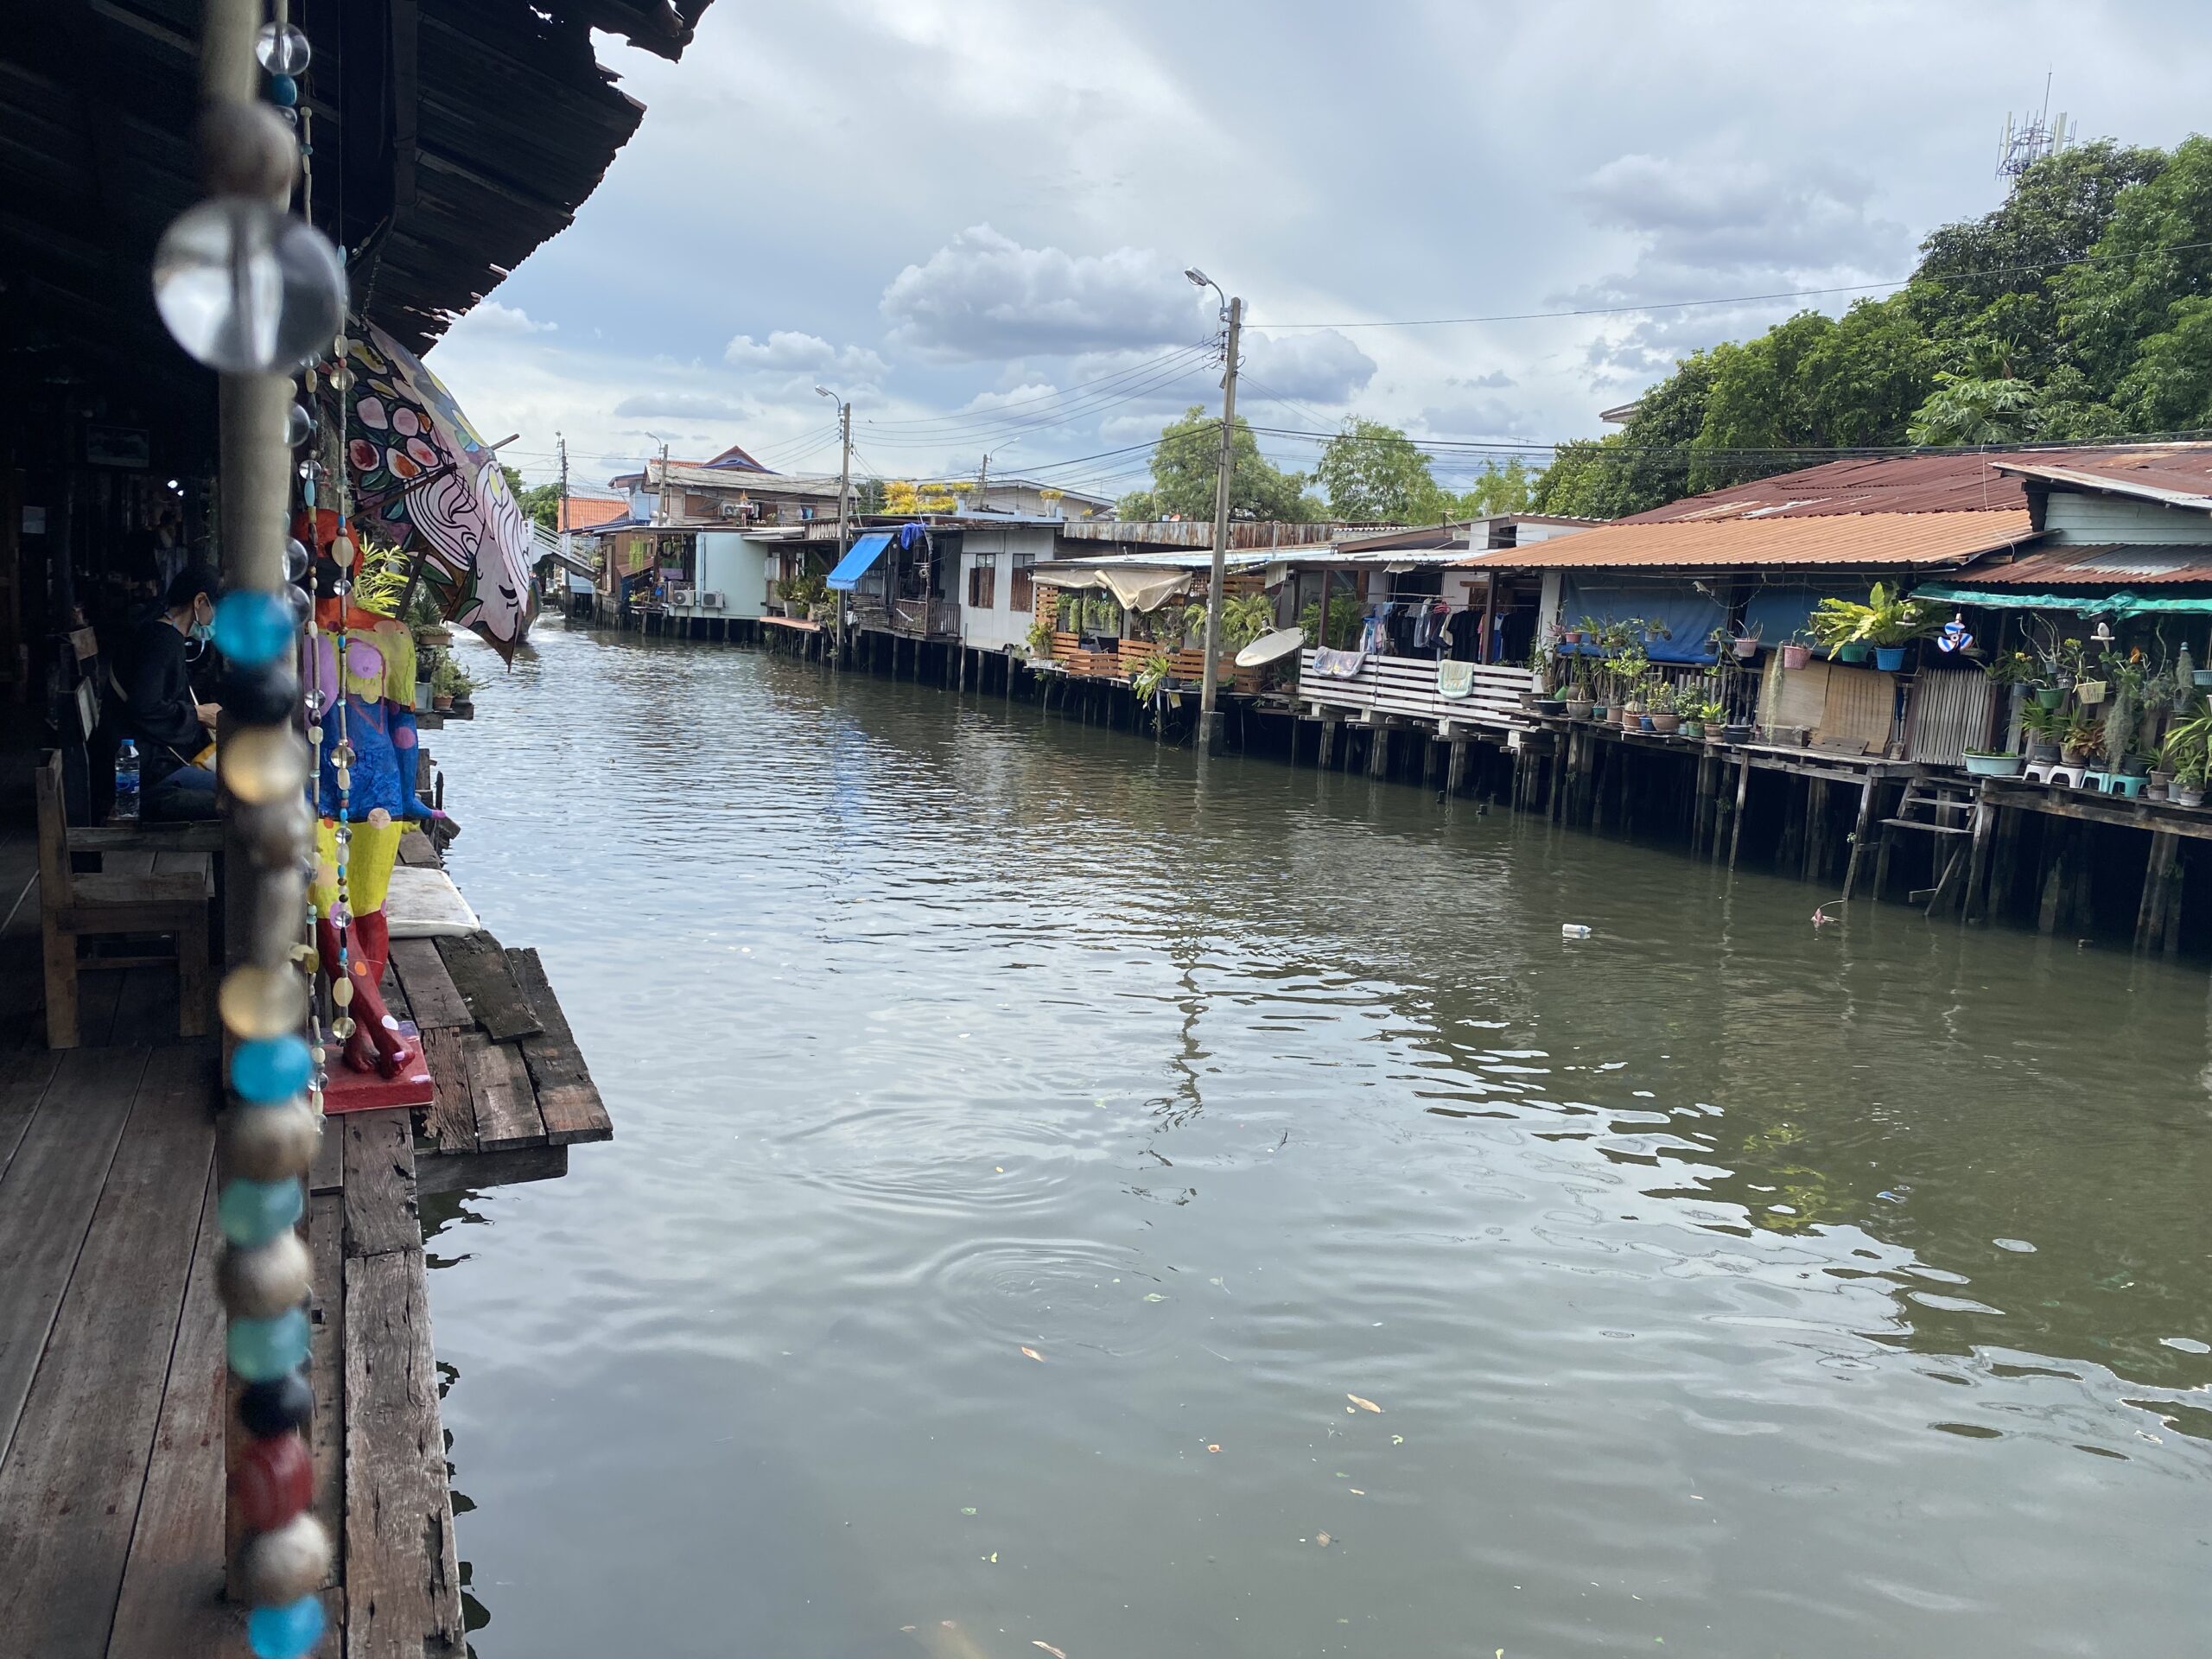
x=1966, y=410
x=1372, y=474
x=1500, y=489
x=1186, y=461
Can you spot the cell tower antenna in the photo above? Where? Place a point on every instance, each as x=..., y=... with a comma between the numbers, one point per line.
x=2030, y=138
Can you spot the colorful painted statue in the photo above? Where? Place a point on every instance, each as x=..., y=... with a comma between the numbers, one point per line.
x=374, y=739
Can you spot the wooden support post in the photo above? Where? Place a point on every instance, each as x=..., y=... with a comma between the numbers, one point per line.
x=1378, y=751
x=2157, y=872
x=1736, y=828
x=1973, y=907
x=1455, y=766
x=1327, y=753
x=1814, y=863
x=2004, y=861
x=2172, y=930
x=2057, y=871
x=1858, y=837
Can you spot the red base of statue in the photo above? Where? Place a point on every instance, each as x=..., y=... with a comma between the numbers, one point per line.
x=349, y=1091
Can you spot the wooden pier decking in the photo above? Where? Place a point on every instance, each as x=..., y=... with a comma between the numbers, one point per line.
x=114, y=1394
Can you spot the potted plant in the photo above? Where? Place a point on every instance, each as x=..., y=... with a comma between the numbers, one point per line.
x=1704, y=720
x=2042, y=727
x=2187, y=786
x=1666, y=716
x=1888, y=621
x=447, y=683
x=1580, y=702
x=1796, y=653
x=1152, y=676
x=2084, y=737
x=1040, y=642
x=1853, y=650
x=1990, y=763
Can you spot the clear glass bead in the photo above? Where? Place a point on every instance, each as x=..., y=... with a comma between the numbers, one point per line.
x=245, y=288
x=283, y=50
x=262, y=1001
x=297, y=560
x=299, y=425
x=301, y=603
x=313, y=700
x=310, y=468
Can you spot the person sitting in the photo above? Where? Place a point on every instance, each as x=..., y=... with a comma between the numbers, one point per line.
x=155, y=705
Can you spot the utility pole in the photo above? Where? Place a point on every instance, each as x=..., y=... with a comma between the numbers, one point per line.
x=983, y=487
x=660, y=501
x=1209, y=715
x=844, y=521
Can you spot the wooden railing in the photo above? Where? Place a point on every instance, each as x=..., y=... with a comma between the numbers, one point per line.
x=1407, y=686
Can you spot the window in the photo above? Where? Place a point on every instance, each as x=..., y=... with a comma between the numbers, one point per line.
x=982, y=581
x=1021, y=589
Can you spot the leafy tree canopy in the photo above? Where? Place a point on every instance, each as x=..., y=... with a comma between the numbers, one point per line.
x=1372, y=474
x=1186, y=462
x=2080, y=308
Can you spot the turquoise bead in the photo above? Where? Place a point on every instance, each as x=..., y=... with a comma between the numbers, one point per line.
x=253, y=1212
x=283, y=89
x=252, y=627
x=262, y=1349
x=270, y=1069
x=285, y=1631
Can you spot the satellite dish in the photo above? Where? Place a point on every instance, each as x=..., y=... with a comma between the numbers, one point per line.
x=1280, y=643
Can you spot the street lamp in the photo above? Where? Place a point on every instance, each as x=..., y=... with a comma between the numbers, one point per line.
x=1209, y=715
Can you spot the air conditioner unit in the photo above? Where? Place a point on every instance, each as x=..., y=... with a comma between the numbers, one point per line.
x=679, y=596
x=710, y=601
x=730, y=509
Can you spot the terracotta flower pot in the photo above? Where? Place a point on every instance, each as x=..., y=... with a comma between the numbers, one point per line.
x=1797, y=656
x=1665, y=722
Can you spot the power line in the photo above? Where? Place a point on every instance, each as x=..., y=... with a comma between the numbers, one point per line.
x=1753, y=299
x=1065, y=391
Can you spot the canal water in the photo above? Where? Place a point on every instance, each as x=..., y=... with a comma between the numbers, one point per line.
x=1065, y=1200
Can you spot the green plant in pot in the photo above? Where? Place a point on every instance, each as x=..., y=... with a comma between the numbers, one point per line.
x=449, y=683
x=1665, y=711
x=1041, y=641
x=2042, y=729
x=2187, y=753
x=1887, y=621
x=1152, y=676
x=2085, y=736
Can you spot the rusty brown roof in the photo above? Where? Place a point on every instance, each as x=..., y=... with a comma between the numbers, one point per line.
x=1945, y=483
x=2178, y=474
x=2078, y=566
x=1783, y=540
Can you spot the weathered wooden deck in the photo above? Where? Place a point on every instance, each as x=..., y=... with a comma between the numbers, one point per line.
x=113, y=1390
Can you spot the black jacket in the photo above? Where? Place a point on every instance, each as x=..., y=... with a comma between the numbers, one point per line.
x=157, y=708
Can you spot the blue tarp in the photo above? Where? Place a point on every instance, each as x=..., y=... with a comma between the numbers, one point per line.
x=857, y=563
x=1777, y=615
x=1683, y=619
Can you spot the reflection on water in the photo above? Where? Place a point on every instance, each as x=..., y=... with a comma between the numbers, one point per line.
x=1033, y=1147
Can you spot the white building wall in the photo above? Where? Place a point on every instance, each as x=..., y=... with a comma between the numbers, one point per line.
x=735, y=567
x=1003, y=627
x=2095, y=520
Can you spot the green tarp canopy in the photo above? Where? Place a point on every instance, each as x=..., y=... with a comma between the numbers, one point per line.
x=2118, y=604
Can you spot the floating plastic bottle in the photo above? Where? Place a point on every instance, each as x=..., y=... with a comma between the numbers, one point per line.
x=1573, y=931
x=126, y=783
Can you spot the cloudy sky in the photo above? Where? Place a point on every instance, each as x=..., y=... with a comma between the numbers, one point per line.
x=972, y=219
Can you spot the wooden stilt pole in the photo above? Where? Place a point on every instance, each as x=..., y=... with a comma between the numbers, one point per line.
x=1858, y=837
x=1736, y=826
x=2151, y=914
x=1975, y=906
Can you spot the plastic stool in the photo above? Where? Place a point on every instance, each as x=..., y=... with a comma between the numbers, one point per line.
x=2071, y=777
x=2097, y=783
x=2038, y=772
x=2128, y=784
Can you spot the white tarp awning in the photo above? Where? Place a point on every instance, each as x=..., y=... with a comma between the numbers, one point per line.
x=1139, y=586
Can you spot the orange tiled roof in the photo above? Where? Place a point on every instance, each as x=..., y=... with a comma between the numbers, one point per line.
x=582, y=511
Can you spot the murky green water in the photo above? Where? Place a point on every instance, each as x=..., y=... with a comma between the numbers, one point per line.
x=1726, y=1287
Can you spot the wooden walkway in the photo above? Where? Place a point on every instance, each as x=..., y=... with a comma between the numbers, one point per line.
x=113, y=1391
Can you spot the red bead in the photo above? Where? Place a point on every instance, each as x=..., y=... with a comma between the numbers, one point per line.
x=274, y=1481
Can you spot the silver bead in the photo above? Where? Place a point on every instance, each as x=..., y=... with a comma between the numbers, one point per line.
x=284, y=1563
x=268, y=1280
x=270, y=1143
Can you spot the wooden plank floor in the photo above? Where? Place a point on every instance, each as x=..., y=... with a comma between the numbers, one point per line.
x=113, y=1390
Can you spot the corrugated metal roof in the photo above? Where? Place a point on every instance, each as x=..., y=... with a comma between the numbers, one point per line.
x=584, y=512
x=2176, y=474
x=1198, y=532
x=1890, y=484
x=2076, y=566
x=1843, y=538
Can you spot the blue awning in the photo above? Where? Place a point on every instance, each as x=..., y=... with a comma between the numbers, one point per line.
x=857, y=563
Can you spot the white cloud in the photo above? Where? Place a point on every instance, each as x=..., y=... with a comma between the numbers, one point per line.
x=1322, y=366
x=790, y=351
x=983, y=295
x=685, y=405
x=490, y=317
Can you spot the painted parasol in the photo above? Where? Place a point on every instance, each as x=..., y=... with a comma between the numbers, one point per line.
x=425, y=481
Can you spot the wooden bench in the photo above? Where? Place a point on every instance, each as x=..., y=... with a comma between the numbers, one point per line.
x=170, y=901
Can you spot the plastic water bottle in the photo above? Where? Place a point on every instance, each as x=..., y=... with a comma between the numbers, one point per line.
x=1573, y=931
x=126, y=783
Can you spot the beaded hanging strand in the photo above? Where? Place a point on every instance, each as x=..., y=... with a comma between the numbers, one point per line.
x=257, y=336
